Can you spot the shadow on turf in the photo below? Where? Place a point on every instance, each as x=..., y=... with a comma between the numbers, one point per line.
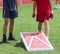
x=4, y=43
x=20, y=45
x=1, y=43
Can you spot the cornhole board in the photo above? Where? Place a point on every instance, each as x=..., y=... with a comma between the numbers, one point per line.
x=35, y=41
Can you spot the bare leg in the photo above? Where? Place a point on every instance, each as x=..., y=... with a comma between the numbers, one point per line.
x=46, y=27
x=5, y=25
x=5, y=30
x=39, y=26
x=11, y=30
x=56, y=5
x=11, y=25
x=59, y=1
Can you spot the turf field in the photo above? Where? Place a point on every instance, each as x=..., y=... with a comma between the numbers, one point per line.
x=25, y=23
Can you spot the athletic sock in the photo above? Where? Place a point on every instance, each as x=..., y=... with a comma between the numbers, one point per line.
x=10, y=34
x=4, y=36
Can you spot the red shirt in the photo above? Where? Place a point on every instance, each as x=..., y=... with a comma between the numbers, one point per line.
x=42, y=5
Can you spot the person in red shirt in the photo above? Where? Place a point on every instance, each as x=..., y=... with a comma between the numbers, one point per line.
x=44, y=12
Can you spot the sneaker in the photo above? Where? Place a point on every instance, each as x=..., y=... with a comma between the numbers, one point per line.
x=11, y=38
x=59, y=6
x=56, y=7
x=5, y=41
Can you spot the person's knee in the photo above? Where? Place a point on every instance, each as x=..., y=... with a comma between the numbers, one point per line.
x=11, y=20
x=46, y=21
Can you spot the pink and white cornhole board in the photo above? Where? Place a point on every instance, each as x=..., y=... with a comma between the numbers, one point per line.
x=35, y=41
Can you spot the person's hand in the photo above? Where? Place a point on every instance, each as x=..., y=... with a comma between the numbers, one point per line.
x=33, y=15
x=51, y=14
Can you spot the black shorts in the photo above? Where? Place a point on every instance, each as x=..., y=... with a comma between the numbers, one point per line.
x=10, y=14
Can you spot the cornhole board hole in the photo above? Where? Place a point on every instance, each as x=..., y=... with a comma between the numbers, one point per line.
x=35, y=41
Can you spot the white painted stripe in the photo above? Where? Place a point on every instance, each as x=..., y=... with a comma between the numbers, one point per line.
x=42, y=41
x=24, y=41
x=47, y=40
x=31, y=42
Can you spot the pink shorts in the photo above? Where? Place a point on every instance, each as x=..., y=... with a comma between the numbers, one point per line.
x=43, y=15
